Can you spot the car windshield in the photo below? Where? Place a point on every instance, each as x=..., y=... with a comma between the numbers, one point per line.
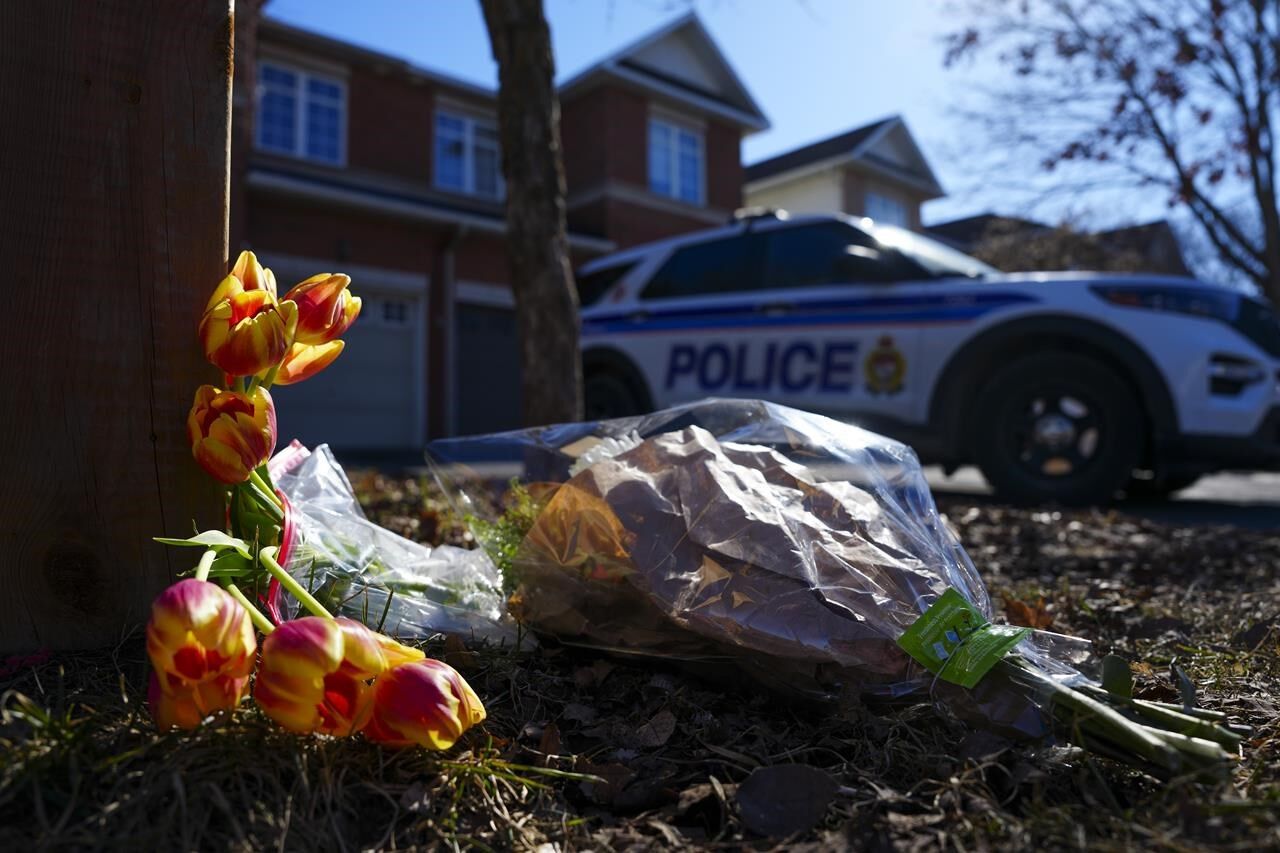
x=938, y=258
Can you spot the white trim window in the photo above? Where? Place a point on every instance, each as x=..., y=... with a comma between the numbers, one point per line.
x=301, y=114
x=467, y=157
x=677, y=161
x=886, y=209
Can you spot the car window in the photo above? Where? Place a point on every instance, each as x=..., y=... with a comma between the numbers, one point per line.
x=720, y=266
x=831, y=253
x=593, y=285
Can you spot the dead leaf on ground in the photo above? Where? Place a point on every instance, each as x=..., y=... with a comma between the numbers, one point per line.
x=657, y=731
x=456, y=653
x=613, y=778
x=785, y=799
x=549, y=745
x=578, y=713
x=1253, y=637
x=1028, y=615
x=589, y=676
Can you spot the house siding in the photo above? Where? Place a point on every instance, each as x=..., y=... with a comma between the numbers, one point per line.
x=330, y=233
x=724, y=166
x=821, y=192
x=389, y=125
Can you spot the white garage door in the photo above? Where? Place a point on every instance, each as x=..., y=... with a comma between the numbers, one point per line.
x=371, y=398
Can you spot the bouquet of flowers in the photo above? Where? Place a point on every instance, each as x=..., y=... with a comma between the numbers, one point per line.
x=316, y=673
x=805, y=552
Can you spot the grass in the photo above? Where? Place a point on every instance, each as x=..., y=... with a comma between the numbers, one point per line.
x=584, y=751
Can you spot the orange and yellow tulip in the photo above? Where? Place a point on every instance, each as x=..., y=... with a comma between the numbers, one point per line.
x=326, y=309
x=306, y=360
x=184, y=709
x=253, y=275
x=247, y=274
x=248, y=332
x=202, y=647
x=425, y=703
x=231, y=433
x=315, y=673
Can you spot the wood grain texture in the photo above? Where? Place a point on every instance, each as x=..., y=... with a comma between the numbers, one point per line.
x=113, y=210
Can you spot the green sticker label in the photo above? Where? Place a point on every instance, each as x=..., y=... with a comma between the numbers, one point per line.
x=954, y=640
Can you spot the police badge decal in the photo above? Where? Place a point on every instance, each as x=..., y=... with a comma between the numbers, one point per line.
x=885, y=368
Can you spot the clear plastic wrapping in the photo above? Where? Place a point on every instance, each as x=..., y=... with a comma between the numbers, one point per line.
x=369, y=573
x=792, y=546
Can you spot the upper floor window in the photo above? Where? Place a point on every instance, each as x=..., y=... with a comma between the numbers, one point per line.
x=301, y=114
x=467, y=157
x=676, y=161
x=887, y=210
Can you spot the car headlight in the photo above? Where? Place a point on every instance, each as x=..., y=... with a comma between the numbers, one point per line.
x=1211, y=304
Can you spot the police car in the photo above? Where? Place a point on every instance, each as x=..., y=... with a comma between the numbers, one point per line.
x=1069, y=387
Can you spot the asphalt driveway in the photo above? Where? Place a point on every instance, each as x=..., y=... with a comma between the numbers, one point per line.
x=1249, y=500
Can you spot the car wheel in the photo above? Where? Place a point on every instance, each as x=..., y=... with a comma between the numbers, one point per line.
x=1057, y=427
x=1157, y=488
x=606, y=396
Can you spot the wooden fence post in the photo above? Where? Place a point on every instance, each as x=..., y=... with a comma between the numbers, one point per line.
x=113, y=211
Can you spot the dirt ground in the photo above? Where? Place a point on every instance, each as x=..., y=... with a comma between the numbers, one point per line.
x=582, y=751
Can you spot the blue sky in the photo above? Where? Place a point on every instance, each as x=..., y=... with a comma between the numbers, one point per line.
x=816, y=67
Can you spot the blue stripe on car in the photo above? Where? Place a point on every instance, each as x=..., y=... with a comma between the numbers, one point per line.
x=928, y=308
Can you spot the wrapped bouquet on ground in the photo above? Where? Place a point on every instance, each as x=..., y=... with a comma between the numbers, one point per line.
x=295, y=535
x=803, y=551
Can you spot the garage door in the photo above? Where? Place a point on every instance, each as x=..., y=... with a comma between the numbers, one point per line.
x=371, y=398
x=488, y=370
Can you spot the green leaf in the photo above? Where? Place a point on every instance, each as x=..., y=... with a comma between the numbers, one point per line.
x=1117, y=678
x=231, y=564
x=215, y=539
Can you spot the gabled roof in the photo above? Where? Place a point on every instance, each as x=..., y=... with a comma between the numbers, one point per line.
x=273, y=31
x=968, y=231
x=682, y=62
x=885, y=145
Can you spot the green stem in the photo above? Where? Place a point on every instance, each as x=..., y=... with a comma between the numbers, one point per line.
x=268, y=558
x=206, y=562
x=1087, y=714
x=256, y=479
x=1170, y=720
x=270, y=377
x=260, y=622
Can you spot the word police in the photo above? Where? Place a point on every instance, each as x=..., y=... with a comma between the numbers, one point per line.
x=828, y=367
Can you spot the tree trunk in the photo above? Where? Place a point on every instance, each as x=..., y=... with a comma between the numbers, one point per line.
x=113, y=203
x=537, y=245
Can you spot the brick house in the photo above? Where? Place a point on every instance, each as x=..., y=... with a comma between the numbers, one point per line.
x=876, y=170
x=1148, y=247
x=348, y=159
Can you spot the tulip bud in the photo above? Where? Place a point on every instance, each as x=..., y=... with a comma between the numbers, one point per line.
x=315, y=672
x=247, y=333
x=231, y=433
x=246, y=275
x=202, y=646
x=253, y=275
x=426, y=703
x=326, y=309
x=306, y=360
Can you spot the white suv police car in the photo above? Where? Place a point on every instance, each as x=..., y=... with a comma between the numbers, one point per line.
x=1068, y=387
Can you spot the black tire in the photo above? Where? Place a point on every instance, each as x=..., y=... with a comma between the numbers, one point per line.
x=1057, y=427
x=607, y=395
x=1159, y=487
